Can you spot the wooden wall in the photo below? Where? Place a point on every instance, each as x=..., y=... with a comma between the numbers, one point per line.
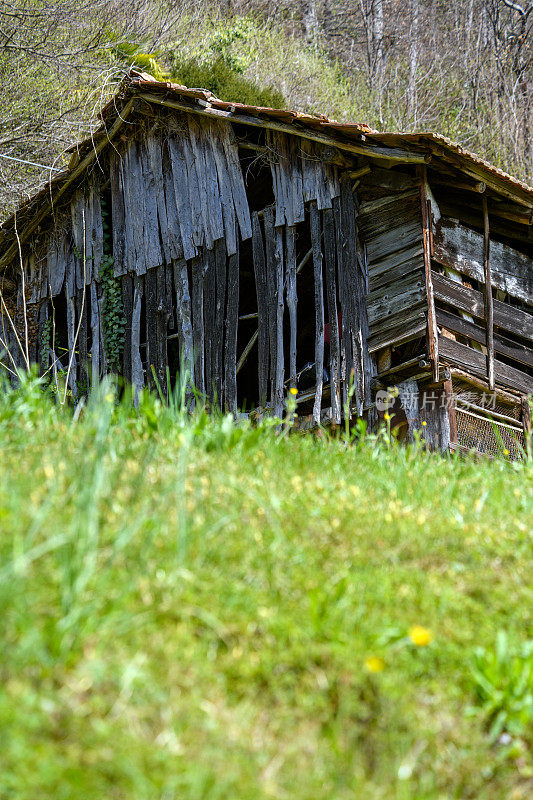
x=176, y=221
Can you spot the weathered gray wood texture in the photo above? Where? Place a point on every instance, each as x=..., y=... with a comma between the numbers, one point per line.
x=461, y=248
x=391, y=229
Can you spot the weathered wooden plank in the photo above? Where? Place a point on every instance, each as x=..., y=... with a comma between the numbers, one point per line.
x=133, y=179
x=92, y=269
x=127, y=303
x=169, y=281
x=120, y=233
x=461, y=248
x=70, y=270
x=369, y=364
x=198, y=190
x=81, y=310
x=79, y=218
x=270, y=251
x=150, y=293
x=307, y=157
x=175, y=244
x=209, y=322
x=328, y=227
x=411, y=328
x=180, y=169
x=489, y=308
x=95, y=335
x=432, y=333
x=345, y=339
x=475, y=362
x=316, y=234
x=154, y=256
x=220, y=310
x=57, y=258
x=388, y=274
x=502, y=345
x=137, y=370
x=71, y=338
x=261, y=289
x=409, y=402
x=184, y=321
x=240, y=199
x=323, y=197
x=131, y=224
x=292, y=300
x=297, y=187
x=387, y=179
x=391, y=299
x=351, y=314
x=391, y=203
x=232, y=322
x=279, y=374
x=226, y=196
x=153, y=147
x=162, y=330
x=508, y=317
x=214, y=208
x=279, y=166
x=43, y=343
x=197, y=297
x=394, y=240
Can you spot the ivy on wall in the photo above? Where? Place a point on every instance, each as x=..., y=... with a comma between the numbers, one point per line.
x=113, y=321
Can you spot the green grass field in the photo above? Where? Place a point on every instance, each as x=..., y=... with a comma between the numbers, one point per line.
x=193, y=609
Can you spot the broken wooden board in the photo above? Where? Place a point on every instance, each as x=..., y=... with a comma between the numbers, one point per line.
x=461, y=248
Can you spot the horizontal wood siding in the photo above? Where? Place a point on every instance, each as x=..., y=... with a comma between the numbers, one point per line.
x=391, y=230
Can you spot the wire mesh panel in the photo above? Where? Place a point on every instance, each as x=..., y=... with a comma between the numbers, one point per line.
x=479, y=423
x=489, y=436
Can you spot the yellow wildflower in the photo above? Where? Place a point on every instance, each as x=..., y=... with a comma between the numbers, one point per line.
x=420, y=636
x=293, y=391
x=424, y=423
x=506, y=452
x=386, y=415
x=374, y=664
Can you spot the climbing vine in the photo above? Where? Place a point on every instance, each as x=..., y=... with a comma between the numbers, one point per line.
x=113, y=322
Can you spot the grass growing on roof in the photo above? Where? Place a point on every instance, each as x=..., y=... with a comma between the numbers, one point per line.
x=196, y=609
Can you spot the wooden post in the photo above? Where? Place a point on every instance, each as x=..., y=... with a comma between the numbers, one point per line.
x=526, y=417
x=447, y=387
x=316, y=234
x=433, y=340
x=292, y=298
x=489, y=309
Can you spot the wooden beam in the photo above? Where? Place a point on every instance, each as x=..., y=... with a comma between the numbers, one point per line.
x=526, y=417
x=502, y=345
x=506, y=316
x=393, y=154
x=456, y=354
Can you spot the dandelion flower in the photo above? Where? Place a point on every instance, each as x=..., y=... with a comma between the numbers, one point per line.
x=420, y=636
x=374, y=664
x=424, y=423
x=293, y=391
x=506, y=452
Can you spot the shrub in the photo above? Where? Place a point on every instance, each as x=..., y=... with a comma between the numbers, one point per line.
x=225, y=82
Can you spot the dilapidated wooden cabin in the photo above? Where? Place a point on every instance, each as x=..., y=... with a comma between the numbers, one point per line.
x=262, y=249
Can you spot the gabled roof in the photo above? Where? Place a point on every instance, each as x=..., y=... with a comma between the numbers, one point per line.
x=354, y=138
